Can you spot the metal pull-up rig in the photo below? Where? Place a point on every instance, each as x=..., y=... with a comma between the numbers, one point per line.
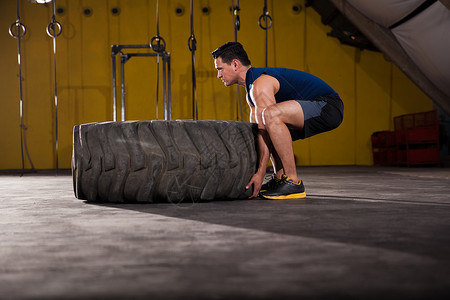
x=158, y=45
x=124, y=57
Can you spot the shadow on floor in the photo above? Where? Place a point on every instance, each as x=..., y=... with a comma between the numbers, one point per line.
x=407, y=227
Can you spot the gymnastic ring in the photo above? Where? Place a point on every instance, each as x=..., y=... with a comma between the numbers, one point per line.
x=52, y=27
x=159, y=46
x=265, y=16
x=18, y=34
x=192, y=43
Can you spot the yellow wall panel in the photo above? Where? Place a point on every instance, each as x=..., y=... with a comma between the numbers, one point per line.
x=373, y=98
x=407, y=97
x=373, y=90
x=9, y=97
x=334, y=63
x=37, y=61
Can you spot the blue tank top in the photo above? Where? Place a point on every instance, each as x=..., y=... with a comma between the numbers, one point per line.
x=294, y=84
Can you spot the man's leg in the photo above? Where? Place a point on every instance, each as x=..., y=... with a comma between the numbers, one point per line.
x=275, y=159
x=277, y=165
x=277, y=169
x=277, y=117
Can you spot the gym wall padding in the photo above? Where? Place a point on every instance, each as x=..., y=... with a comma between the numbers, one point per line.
x=372, y=88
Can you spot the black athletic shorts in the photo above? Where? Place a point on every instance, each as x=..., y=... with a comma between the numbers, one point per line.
x=323, y=113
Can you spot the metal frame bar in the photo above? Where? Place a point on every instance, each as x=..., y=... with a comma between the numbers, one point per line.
x=124, y=57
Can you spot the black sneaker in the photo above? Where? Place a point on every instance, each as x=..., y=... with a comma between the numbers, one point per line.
x=286, y=189
x=270, y=184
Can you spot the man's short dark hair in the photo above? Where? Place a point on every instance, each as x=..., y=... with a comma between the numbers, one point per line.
x=230, y=51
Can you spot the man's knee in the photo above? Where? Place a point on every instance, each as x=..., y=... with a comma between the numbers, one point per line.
x=271, y=115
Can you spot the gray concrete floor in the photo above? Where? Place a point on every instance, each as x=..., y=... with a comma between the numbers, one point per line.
x=362, y=233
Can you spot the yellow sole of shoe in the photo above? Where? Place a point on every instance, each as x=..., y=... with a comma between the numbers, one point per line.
x=290, y=196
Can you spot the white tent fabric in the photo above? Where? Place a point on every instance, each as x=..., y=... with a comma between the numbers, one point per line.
x=386, y=12
x=425, y=37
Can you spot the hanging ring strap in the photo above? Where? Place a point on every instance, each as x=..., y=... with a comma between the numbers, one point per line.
x=18, y=35
x=192, y=45
x=157, y=86
x=157, y=43
x=192, y=42
x=20, y=31
x=18, y=25
x=54, y=29
x=268, y=23
x=237, y=21
x=236, y=27
x=266, y=17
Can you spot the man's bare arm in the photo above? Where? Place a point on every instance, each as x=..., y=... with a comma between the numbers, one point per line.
x=263, y=156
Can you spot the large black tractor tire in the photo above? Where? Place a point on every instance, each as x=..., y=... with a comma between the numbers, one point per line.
x=163, y=161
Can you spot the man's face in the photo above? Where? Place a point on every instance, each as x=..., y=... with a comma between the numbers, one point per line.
x=225, y=72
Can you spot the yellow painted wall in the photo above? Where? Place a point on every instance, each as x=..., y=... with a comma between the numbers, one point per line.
x=372, y=88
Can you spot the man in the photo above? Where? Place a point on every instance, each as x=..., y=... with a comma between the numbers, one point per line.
x=287, y=105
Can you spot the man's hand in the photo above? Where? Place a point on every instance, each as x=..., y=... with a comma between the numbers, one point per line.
x=256, y=181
